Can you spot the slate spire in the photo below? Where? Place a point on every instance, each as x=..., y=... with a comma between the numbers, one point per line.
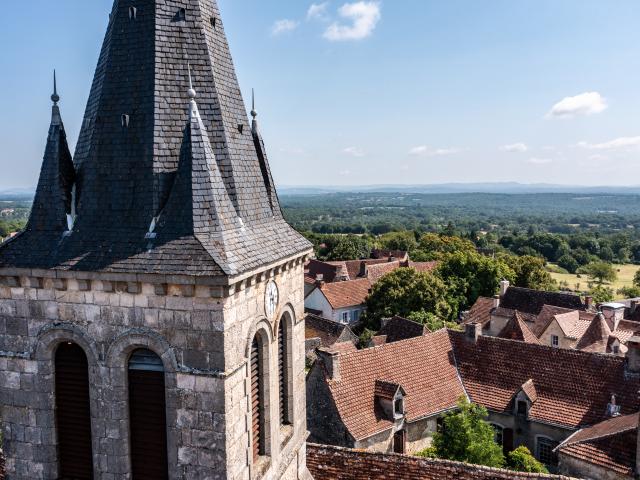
x=53, y=196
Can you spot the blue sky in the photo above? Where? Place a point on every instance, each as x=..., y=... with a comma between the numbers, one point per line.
x=365, y=92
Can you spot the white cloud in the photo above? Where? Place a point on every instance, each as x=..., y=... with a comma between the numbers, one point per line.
x=587, y=103
x=345, y=173
x=363, y=15
x=514, y=148
x=425, y=151
x=540, y=161
x=622, y=143
x=283, y=26
x=317, y=11
x=353, y=151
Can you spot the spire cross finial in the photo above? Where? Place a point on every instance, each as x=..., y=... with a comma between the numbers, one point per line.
x=254, y=114
x=192, y=93
x=55, y=98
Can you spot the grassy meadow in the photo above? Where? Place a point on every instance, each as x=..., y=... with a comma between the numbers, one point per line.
x=579, y=283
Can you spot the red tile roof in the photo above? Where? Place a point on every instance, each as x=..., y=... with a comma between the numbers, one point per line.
x=397, y=328
x=384, y=389
x=573, y=388
x=423, y=366
x=529, y=389
x=335, y=463
x=423, y=266
x=346, y=294
x=376, y=272
x=596, y=337
x=481, y=311
x=532, y=301
x=610, y=444
x=517, y=329
x=328, y=331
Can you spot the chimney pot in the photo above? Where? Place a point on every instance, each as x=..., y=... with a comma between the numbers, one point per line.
x=633, y=354
x=504, y=286
x=473, y=331
x=588, y=302
x=319, y=280
x=331, y=361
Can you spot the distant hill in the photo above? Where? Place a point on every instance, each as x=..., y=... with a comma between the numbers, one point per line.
x=448, y=188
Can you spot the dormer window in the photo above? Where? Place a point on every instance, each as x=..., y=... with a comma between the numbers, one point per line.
x=182, y=15
x=213, y=21
x=398, y=407
x=522, y=408
x=390, y=400
x=125, y=120
x=133, y=13
x=613, y=409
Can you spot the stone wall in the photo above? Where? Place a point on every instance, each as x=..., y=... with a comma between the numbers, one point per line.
x=202, y=332
x=579, y=468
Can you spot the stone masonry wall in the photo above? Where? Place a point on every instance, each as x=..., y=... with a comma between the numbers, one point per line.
x=201, y=332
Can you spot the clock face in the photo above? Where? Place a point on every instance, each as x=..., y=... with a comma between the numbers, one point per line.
x=271, y=299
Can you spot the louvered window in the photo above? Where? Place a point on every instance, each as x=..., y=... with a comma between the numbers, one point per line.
x=283, y=373
x=257, y=400
x=147, y=416
x=73, y=413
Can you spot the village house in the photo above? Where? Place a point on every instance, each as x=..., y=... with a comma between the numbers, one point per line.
x=397, y=329
x=323, y=333
x=389, y=398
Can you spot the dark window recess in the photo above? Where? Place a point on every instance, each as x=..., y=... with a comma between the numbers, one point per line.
x=73, y=413
x=147, y=416
x=133, y=13
x=257, y=400
x=240, y=128
x=399, y=407
x=399, y=441
x=522, y=408
x=440, y=425
x=214, y=22
x=125, y=120
x=181, y=15
x=545, y=451
x=283, y=371
x=507, y=440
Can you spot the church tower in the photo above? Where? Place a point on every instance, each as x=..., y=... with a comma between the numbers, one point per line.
x=151, y=312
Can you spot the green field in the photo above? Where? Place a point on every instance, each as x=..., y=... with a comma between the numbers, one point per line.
x=578, y=283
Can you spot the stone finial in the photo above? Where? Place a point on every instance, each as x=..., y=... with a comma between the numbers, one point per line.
x=191, y=92
x=56, y=119
x=254, y=114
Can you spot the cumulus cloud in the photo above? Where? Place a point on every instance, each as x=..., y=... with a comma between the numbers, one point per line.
x=283, y=26
x=359, y=21
x=539, y=161
x=622, y=143
x=345, y=173
x=353, y=151
x=514, y=148
x=588, y=103
x=426, y=151
x=317, y=11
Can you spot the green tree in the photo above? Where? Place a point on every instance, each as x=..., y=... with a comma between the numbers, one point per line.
x=466, y=436
x=601, y=272
x=350, y=247
x=530, y=272
x=403, y=292
x=470, y=275
x=601, y=294
x=432, y=321
x=629, y=292
x=521, y=460
x=569, y=263
x=636, y=279
x=434, y=247
x=405, y=241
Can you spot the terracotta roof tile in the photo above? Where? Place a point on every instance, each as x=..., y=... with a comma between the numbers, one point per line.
x=335, y=463
x=611, y=444
x=347, y=294
x=532, y=301
x=529, y=390
x=384, y=389
x=517, y=329
x=424, y=366
x=398, y=328
x=596, y=337
x=481, y=311
x=328, y=331
x=573, y=388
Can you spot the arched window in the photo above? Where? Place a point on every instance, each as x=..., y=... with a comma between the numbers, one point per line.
x=73, y=412
x=258, y=417
x=284, y=371
x=147, y=416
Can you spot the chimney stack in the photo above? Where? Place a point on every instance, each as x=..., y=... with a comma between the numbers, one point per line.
x=496, y=301
x=633, y=307
x=633, y=354
x=473, y=331
x=331, y=361
x=364, y=273
x=588, y=302
x=319, y=280
x=504, y=286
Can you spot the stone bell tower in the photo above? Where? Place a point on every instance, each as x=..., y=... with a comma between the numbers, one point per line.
x=151, y=313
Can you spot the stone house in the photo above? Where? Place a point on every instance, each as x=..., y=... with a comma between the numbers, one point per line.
x=323, y=333
x=536, y=395
x=152, y=311
x=607, y=450
x=342, y=302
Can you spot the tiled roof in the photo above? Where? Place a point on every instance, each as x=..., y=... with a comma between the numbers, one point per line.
x=378, y=340
x=398, y=328
x=532, y=301
x=423, y=266
x=529, y=389
x=346, y=294
x=424, y=367
x=573, y=324
x=397, y=254
x=328, y=271
x=481, y=311
x=611, y=444
x=517, y=329
x=545, y=317
x=203, y=180
x=328, y=331
x=596, y=337
x=384, y=389
x=376, y=272
x=626, y=329
x=335, y=463
x=573, y=388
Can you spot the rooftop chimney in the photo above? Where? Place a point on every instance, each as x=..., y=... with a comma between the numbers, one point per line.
x=504, y=286
x=319, y=280
x=364, y=273
x=588, y=302
x=496, y=301
x=633, y=354
x=473, y=331
x=633, y=307
x=331, y=361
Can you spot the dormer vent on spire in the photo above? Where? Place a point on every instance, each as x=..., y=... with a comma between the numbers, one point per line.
x=133, y=13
